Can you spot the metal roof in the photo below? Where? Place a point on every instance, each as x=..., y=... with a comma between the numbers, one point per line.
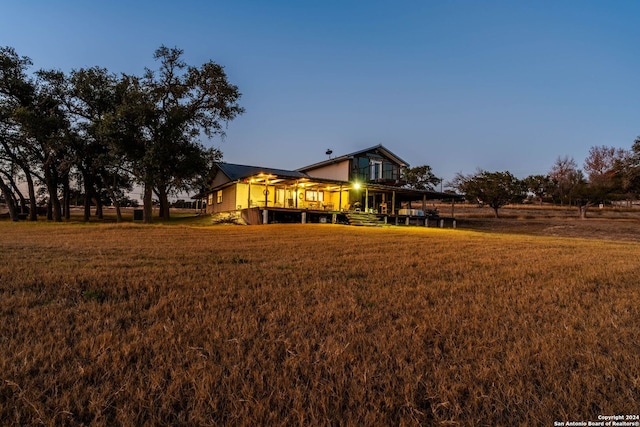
x=378, y=147
x=236, y=172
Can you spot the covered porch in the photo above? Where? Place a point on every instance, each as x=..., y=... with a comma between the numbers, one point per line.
x=397, y=201
x=273, y=191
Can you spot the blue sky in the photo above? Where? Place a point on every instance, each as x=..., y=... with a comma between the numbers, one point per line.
x=457, y=85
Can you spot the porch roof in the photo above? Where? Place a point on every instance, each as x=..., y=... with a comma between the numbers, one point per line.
x=410, y=193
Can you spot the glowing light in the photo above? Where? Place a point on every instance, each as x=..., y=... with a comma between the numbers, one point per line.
x=356, y=185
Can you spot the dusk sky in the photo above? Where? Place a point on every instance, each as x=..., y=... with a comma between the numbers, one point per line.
x=457, y=85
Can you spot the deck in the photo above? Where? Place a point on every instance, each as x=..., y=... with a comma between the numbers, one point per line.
x=275, y=215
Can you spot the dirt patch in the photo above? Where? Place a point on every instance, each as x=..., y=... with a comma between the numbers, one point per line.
x=607, y=224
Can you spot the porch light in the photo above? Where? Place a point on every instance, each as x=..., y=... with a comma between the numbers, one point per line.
x=356, y=185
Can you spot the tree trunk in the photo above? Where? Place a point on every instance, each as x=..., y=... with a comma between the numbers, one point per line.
x=66, y=198
x=18, y=193
x=116, y=203
x=9, y=197
x=24, y=209
x=164, y=204
x=52, y=186
x=118, y=210
x=495, y=212
x=88, y=195
x=23, y=203
x=33, y=207
x=583, y=211
x=99, y=207
x=56, y=209
x=148, y=204
x=160, y=208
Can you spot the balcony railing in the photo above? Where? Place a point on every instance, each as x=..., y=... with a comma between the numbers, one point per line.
x=389, y=176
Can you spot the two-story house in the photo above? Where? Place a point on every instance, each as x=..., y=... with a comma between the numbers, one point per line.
x=368, y=180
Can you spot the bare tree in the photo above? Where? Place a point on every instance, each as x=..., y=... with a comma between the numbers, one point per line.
x=563, y=173
x=604, y=164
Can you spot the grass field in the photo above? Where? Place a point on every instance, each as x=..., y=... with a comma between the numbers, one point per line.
x=126, y=324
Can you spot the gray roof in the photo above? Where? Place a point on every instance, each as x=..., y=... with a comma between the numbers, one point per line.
x=236, y=172
x=378, y=147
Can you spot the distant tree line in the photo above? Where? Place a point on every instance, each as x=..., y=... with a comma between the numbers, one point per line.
x=608, y=174
x=96, y=132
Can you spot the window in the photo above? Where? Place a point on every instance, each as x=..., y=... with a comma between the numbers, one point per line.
x=219, y=194
x=389, y=171
x=210, y=199
x=376, y=169
x=314, y=196
x=362, y=169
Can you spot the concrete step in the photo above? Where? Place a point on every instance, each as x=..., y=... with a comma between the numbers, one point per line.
x=364, y=219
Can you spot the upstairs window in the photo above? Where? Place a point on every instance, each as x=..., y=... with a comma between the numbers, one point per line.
x=390, y=171
x=375, y=169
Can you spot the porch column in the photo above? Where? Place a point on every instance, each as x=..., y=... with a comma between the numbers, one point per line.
x=340, y=199
x=393, y=203
x=266, y=192
x=366, y=199
x=424, y=202
x=249, y=194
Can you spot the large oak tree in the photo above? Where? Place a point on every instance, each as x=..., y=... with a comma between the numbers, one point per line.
x=162, y=118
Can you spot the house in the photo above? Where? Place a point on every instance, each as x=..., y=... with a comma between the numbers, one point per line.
x=368, y=181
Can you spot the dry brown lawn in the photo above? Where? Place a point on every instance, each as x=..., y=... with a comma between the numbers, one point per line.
x=106, y=324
